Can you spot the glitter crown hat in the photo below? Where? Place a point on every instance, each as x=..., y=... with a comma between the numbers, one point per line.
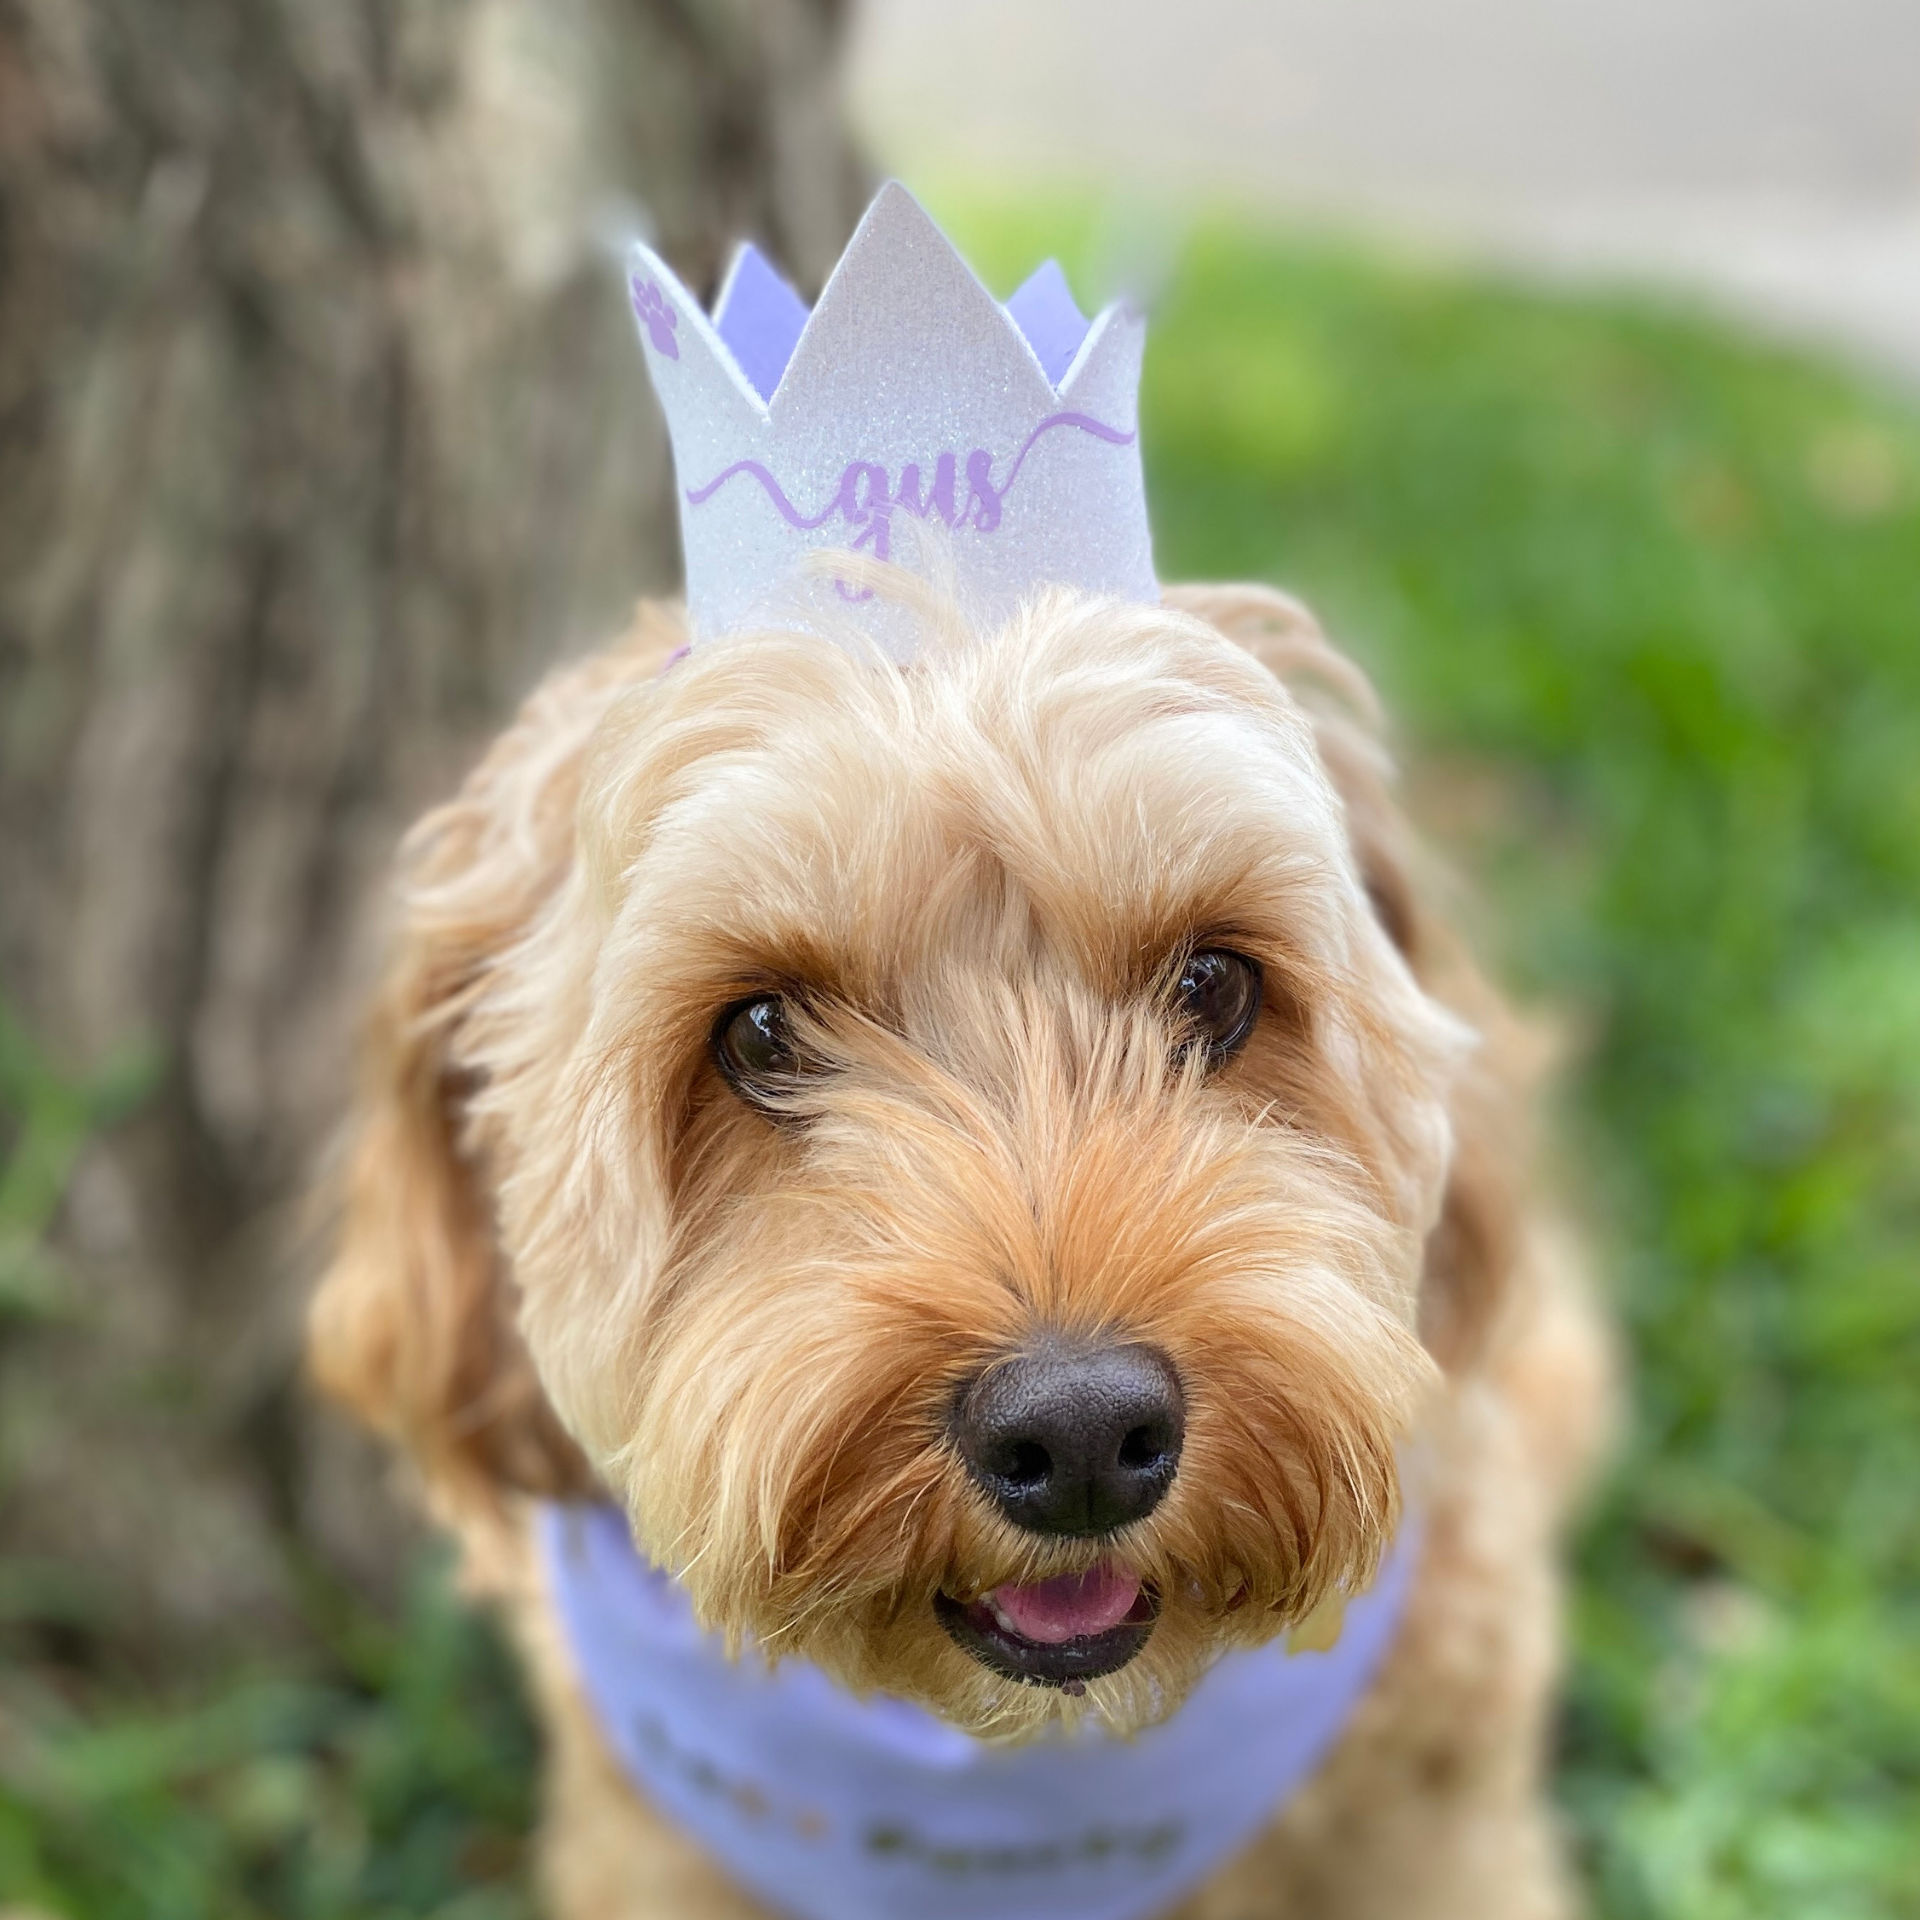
x=909, y=416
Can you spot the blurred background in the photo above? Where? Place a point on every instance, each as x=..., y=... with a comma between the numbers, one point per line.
x=1564, y=354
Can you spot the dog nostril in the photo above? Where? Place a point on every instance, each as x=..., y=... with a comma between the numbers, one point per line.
x=1071, y=1438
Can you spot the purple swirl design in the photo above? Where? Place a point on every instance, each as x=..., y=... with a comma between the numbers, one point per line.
x=699, y=496
x=866, y=495
x=1085, y=422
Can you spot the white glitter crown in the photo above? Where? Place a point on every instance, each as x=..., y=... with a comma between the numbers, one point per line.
x=909, y=416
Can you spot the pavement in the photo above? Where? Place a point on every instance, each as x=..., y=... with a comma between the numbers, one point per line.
x=1764, y=154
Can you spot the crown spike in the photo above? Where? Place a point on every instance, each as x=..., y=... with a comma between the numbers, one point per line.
x=1104, y=378
x=916, y=308
x=760, y=318
x=1044, y=309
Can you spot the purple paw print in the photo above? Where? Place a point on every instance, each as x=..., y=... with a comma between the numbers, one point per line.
x=651, y=310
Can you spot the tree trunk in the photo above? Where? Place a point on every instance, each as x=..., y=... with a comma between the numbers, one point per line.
x=322, y=434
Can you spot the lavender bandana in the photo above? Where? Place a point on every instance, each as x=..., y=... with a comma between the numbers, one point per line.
x=827, y=1807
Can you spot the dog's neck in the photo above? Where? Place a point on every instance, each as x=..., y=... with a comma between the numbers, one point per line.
x=836, y=1808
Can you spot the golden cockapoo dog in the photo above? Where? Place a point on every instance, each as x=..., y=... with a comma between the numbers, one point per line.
x=781, y=1044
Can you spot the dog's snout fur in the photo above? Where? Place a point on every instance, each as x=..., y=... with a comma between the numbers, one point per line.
x=1074, y=1439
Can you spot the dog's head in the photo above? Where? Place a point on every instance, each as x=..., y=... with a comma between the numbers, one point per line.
x=950, y=1149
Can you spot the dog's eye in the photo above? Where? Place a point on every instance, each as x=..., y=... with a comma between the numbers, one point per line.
x=1217, y=995
x=753, y=1047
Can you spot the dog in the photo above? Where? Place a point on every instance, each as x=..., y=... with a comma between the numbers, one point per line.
x=1001, y=1174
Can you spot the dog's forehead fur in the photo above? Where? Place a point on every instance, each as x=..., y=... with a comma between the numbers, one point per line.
x=1088, y=790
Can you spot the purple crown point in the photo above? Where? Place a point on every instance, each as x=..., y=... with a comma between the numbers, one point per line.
x=760, y=318
x=1045, y=311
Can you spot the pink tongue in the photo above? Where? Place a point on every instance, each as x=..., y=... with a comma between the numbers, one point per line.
x=1051, y=1611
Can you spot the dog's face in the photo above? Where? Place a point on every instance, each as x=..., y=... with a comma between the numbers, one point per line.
x=964, y=1146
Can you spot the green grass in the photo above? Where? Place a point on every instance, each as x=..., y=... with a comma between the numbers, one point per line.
x=388, y=1779
x=1646, y=599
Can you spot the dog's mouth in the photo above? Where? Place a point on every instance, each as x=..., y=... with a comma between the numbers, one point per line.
x=1055, y=1633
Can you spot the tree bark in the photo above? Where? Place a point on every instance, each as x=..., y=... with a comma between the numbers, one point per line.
x=322, y=434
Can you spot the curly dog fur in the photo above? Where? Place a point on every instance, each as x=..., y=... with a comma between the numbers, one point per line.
x=575, y=1262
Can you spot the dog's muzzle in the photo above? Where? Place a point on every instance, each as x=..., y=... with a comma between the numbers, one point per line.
x=1072, y=1441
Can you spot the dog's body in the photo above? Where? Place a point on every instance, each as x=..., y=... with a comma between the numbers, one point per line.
x=602, y=1239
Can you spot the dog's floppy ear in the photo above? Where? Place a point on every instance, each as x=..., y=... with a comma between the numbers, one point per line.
x=1472, y=1249
x=414, y=1326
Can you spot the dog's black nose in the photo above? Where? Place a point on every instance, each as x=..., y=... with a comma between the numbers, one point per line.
x=1074, y=1440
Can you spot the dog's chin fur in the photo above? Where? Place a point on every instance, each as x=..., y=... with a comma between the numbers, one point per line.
x=575, y=1258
